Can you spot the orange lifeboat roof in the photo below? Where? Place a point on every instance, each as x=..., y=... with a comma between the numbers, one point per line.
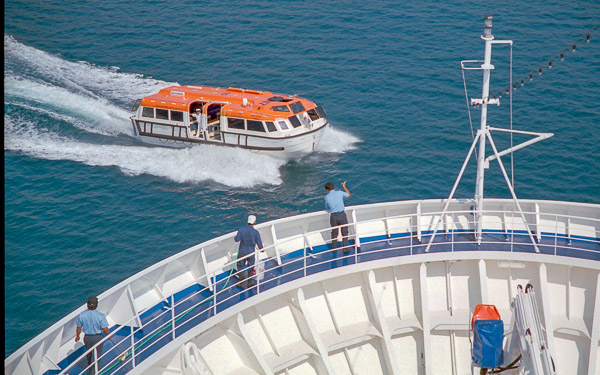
x=259, y=104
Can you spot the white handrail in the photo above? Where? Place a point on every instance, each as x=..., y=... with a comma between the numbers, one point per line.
x=216, y=293
x=558, y=211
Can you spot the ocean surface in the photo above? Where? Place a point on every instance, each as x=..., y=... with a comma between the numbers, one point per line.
x=87, y=206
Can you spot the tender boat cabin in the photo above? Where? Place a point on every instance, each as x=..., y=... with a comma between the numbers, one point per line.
x=181, y=116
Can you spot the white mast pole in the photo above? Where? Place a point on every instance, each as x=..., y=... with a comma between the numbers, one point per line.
x=486, y=67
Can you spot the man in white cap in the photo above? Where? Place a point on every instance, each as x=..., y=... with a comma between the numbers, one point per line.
x=249, y=239
x=198, y=121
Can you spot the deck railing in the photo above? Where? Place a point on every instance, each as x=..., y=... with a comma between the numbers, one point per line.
x=379, y=235
x=447, y=240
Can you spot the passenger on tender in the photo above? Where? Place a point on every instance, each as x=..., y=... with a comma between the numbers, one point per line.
x=194, y=125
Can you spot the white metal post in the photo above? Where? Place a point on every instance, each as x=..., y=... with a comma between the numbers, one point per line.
x=96, y=358
x=486, y=67
x=256, y=269
x=132, y=347
x=173, y=315
x=215, y=290
x=305, y=253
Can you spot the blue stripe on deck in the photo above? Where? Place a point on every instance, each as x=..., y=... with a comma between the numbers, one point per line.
x=196, y=304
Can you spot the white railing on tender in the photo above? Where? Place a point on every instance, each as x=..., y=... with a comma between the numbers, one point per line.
x=128, y=356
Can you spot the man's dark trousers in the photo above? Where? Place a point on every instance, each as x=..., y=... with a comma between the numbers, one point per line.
x=335, y=220
x=248, y=273
x=90, y=341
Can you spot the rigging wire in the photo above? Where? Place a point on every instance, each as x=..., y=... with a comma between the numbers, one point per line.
x=468, y=106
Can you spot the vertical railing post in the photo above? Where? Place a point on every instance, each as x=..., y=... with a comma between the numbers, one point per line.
x=512, y=231
x=132, y=347
x=96, y=359
x=356, y=243
x=173, y=316
x=555, y=233
x=411, y=236
x=257, y=271
x=215, y=290
x=452, y=232
x=305, y=254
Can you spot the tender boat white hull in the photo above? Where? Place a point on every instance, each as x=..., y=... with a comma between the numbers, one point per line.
x=295, y=146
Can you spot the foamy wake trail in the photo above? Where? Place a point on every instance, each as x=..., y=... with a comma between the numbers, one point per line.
x=81, y=76
x=227, y=166
x=337, y=141
x=100, y=115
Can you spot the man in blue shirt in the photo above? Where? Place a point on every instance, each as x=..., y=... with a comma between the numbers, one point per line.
x=93, y=323
x=249, y=239
x=334, y=204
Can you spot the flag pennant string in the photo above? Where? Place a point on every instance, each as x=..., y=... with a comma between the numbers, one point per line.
x=561, y=55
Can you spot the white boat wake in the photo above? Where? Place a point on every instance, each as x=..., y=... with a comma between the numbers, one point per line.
x=56, y=109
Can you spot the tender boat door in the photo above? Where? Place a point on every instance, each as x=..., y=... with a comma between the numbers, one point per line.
x=212, y=121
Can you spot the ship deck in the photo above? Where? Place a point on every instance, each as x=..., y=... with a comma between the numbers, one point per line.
x=198, y=303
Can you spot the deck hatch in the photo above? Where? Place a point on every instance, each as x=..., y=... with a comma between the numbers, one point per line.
x=297, y=107
x=280, y=108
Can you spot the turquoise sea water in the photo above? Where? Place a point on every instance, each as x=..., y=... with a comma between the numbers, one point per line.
x=87, y=206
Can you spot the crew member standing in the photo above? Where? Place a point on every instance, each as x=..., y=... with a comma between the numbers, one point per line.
x=93, y=323
x=196, y=126
x=334, y=204
x=249, y=239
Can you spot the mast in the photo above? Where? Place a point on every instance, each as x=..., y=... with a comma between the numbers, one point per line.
x=485, y=92
x=484, y=134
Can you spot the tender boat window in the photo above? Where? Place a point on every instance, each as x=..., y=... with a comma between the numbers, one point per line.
x=177, y=116
x=297, y=107
x=235, y=123
x=162, y=114
x=321, y=112
x=283, y=125
x=312, y=114
x=295, y=122
x=280, y=108
x=271, y=126
x=148, y=112
x=255, y=126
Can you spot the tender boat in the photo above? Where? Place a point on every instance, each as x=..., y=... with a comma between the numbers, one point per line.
x=284, y=126
x=442, y=286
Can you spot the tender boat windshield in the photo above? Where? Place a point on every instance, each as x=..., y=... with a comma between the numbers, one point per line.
x=321, y=111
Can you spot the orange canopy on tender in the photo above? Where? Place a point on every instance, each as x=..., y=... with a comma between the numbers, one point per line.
x=236, y=102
